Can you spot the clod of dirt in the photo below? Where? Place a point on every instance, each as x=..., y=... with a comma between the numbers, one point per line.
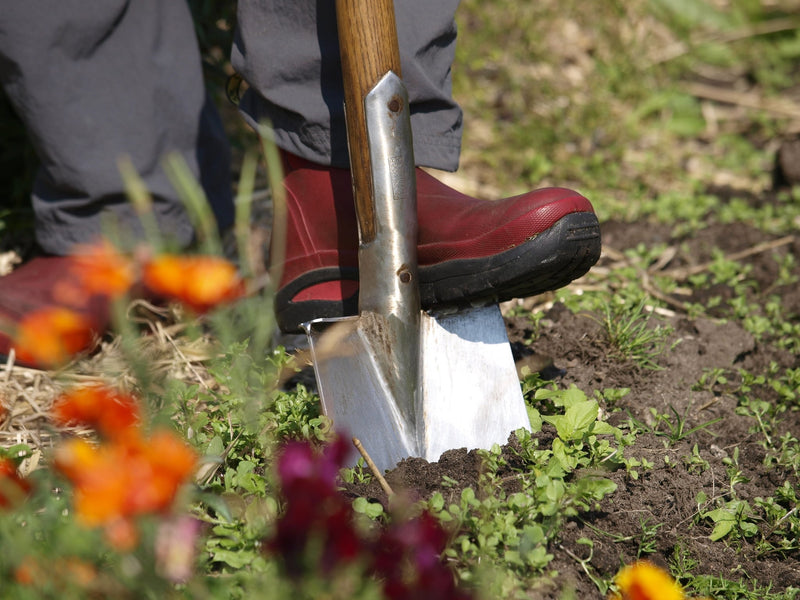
x=787, y=164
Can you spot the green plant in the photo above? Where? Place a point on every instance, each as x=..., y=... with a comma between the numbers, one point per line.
x=734, y=471
x=711, y=380
x=673, y=428
x=512, y=531
x=632, y=336
x=696, y=463
x=648, y=538
x=586, y=564
x=360, y=473
x=732, y=519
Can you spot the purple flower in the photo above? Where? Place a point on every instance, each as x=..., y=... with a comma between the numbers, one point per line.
x=317, y=532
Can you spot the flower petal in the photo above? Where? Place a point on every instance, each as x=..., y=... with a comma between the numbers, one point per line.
x=51, y=336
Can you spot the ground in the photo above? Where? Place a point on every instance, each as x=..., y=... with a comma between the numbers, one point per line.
x=680, y=120
x=657, y=515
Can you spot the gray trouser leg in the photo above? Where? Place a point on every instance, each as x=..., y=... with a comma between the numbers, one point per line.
x=97, y=80
x=287, y=50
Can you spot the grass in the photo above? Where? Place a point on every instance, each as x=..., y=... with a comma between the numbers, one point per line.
x=621, y=102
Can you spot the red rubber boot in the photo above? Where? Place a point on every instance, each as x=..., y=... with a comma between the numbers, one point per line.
x=470, y=252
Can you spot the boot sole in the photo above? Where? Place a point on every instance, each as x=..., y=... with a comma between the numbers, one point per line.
x=547, y=261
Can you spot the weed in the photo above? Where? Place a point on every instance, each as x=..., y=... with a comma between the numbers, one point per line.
x=359, y=473
x=586, y=564
x=734, y=471
x=788, y=453
x=630, y=333
x=787, y=265
x=760, y=410
x=673, y=428
x=782, y=522
x=711, y=380
x=682, y=563
x=611, y=396
x=649, y=536
x=728, y=272
x=695, y=463
x=732, y=519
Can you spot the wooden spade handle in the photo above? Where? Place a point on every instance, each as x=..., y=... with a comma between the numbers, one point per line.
x=369, y=49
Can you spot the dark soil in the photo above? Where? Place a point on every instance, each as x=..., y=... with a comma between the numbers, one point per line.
x=573, y=349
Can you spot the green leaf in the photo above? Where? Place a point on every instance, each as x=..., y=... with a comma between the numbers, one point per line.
x=244, y=467
x=572, y=396
x=581, y=416
x=363, y=506
x=567, y=462
x=576, y=421
x=724, y=518
x=468, y=497
x=721, y=529
x=596, y=488
x=259, y=513
x=535, y=419
x=215, y=447
x=233, y=558
x=217, y=504
x=603, y=428
x=567, y=398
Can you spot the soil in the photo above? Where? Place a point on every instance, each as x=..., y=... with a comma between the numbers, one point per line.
x=572, y=349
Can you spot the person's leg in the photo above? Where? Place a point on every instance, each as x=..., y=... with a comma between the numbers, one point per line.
x=93, y=82
x=288, y=52
x=470, y=251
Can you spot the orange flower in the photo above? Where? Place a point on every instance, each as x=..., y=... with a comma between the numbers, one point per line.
x=110, y=412
x=166, y=463
x=13, y=488
x=95, y=269
x=64, y=570
x=645, y=581
x=100, y=479
x=50, y=336
x=124, y=478
x=28, y=572
x=199, y=282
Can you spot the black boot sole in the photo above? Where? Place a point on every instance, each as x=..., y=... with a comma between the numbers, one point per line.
x=546, y=262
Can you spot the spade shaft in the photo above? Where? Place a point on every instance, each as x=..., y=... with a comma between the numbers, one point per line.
x=379, y=126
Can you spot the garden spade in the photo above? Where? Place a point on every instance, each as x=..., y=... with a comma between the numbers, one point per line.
x=406, y=382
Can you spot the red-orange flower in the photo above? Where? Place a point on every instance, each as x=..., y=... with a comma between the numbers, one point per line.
x=110, y=412
x=125, y=477
x=199, y=282
x=95, y=269
x=51, y=336
x=13, y=488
